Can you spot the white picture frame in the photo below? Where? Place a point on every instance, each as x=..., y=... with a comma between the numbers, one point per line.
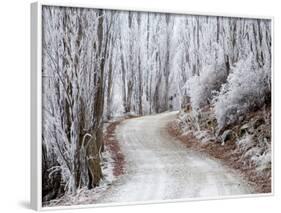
x=36, y=104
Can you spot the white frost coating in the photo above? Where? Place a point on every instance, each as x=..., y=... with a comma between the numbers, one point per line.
x=85, y=196
x=248, y=86
x=260, y=155
x=159, y=167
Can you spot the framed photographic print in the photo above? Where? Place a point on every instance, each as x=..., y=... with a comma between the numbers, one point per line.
x=134, y=107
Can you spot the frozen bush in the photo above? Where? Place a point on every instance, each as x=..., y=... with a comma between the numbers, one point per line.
x=212, y=75
x=247, y=88
x=245, y=142
x=263, y=160
x=260, y=156
x=201, y=88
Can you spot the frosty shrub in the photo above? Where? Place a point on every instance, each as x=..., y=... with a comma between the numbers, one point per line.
x=260, y=156
x=201, y=88
x=247, y=88
x=212, y=75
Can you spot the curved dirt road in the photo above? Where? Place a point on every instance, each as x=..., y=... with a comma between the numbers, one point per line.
x=159, y=167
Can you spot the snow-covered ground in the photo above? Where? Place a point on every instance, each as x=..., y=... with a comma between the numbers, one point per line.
x=159, y=167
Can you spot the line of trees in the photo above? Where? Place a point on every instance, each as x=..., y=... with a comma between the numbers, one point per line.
x=98, y=64
x=75, y=51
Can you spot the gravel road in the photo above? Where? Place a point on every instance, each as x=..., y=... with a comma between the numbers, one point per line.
x=159, y=167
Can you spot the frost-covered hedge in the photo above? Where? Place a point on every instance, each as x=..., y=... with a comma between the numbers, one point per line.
x=247, y=88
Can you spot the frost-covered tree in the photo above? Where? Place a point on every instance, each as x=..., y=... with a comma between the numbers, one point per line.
x=74, y=54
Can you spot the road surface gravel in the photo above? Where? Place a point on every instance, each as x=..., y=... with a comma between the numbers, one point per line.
x=159, y=167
